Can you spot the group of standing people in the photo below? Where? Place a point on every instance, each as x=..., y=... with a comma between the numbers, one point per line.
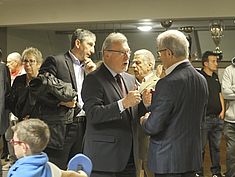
x=148, y=124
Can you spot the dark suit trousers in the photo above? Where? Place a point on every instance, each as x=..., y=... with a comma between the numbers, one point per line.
x=129, y=171
x=187, y=174
x=72, y=145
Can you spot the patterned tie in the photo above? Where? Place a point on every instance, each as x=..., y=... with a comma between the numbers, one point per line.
x=121, y=84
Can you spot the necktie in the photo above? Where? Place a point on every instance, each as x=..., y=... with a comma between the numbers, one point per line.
x=121, y=84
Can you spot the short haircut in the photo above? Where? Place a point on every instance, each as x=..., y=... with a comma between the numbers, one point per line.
x=113, y=38
x=175, y=41
x=14, y=56
x=31, y=51
x=81, y=35
x=147, y=56
x=205, y=56
x=33, y=132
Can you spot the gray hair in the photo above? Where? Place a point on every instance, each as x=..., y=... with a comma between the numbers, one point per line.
x=31, y=51
x=112, y=38
x=174, y=40
x=15, y=56
x=81, y=35
x=33, y=132
x=147, y=56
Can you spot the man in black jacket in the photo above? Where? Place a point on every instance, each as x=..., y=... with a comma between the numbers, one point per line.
x=4, y=93
x=67, y=125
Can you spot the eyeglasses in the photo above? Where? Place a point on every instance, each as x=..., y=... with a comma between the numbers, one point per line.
x=162, y=50
x=14, y=142
x=123, y=53
x=31, y=62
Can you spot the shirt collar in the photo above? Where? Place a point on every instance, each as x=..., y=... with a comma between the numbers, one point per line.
x=172, y=67
x=75, y=60
x=111, y=71
x=148, y=76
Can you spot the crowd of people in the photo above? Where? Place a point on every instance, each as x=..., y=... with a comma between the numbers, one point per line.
x=154, y=121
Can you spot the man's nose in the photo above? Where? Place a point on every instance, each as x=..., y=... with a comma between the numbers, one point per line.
x=92, y=50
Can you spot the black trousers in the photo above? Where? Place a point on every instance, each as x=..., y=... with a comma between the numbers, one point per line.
x=129, y=171
x=72, y=145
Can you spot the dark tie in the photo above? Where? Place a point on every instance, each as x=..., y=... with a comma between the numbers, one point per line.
x=121, y=84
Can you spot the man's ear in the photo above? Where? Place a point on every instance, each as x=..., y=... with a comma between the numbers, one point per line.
x=77, y=43
x=206, y=63
x=26, y=148
x=150, y=66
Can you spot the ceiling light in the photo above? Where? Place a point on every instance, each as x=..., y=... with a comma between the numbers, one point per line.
x=144, y=28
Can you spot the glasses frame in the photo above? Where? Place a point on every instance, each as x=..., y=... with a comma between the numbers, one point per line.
x=128, y=53
x=162, y=50
x=30, y=62
x=15, y=142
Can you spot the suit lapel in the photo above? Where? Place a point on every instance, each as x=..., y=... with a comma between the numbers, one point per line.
x=111, y=80
x=69, y=64
x=128, y=84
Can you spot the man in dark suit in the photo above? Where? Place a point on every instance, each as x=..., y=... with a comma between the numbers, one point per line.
x=177, y=109
x=4, y=98
x=110, y=97
x=66, y=120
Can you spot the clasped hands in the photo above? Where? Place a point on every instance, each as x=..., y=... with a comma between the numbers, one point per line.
x=134, y=97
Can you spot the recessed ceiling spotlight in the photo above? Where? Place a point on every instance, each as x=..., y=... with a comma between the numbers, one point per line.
x=144, y=28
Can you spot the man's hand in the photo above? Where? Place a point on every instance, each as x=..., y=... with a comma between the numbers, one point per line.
x=221, y=115
x=147, y=97
x=145, y=117
x=89, y=65
x=133, y=98
x=69, y=104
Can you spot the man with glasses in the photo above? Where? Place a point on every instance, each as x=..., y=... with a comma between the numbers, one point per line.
x=177, y=109
x=67, y=120
x=110, y=99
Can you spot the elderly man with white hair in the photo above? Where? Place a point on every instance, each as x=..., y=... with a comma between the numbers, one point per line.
x=143, y=64
x=14, y=64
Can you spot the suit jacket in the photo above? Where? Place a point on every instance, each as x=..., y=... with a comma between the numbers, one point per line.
x=177, y=109
x=61, y=66
x=4, y=97
x=108, y=136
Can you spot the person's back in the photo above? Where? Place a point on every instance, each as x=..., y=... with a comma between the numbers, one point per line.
x=177, y=109
x=183, y=125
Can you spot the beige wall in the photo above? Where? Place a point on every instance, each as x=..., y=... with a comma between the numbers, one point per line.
x=13, y=12
x=59, y=11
